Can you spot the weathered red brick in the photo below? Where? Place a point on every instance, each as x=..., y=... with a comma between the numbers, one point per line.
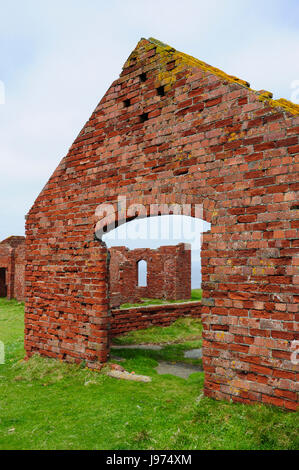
x=207, y=141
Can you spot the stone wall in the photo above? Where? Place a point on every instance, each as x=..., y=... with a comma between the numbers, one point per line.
x=168, y=273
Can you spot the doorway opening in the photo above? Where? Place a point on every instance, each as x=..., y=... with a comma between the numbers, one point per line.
x=3, y=286
x=155, y=281
x=155, y=259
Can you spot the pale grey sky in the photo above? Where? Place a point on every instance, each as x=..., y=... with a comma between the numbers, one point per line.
x=57, y=59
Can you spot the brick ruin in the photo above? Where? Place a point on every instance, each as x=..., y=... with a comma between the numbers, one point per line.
x=136, y=318
x=12, y=268
x=168, y=274
x=172, y=129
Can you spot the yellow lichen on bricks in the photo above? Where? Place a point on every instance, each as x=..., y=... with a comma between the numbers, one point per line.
x=182, y=60
x=266, y=94
x=234, y=136
x=189, y=60
x=281, y=103
x=220, y=335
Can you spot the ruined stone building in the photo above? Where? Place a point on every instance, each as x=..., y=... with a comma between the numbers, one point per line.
x=175, y=130
x=12, y=268
x=168, y=270
x=167, y=276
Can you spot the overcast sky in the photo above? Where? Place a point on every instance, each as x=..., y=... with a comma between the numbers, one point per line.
x=57, y=59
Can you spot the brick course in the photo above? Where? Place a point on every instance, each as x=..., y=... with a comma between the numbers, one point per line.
x=168, y=273
x=211, y=140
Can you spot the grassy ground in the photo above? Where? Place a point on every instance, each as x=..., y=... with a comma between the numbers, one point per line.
x=182, y=330
x=46, y=404
x=196, y=295
x=170, y=353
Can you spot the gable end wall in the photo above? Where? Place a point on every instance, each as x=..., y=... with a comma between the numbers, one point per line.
x=210, y=141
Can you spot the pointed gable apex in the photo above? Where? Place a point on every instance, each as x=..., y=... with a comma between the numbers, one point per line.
x=181, y=60
x=168, y=68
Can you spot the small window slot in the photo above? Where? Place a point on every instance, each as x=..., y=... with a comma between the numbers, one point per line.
x=144, y=117
x=127, y=103
x=161, y=91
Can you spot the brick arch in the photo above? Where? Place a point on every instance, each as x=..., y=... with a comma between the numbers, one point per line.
x=114, y=218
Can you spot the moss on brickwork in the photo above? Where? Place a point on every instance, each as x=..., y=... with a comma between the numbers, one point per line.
x=168, y=77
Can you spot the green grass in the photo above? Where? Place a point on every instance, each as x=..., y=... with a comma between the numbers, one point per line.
x=196, y=295
x=183, y=329
x=11, y=320
x=47, y=404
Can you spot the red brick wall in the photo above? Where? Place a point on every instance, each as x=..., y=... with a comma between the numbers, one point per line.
x=12, y=258
x=19, y=272
x=211, y=140
x=3, y=288
x=168, y=273
x=129, y=319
